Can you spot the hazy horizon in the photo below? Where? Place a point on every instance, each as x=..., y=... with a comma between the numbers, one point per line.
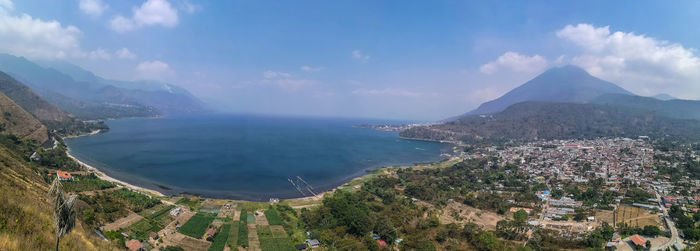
x=415, y=61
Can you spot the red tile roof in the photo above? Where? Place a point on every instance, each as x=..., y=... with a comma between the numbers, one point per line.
x=133, y=245
x=638, y=240
x=63, y=174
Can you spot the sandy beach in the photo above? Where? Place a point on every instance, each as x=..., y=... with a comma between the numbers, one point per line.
x=106, y=177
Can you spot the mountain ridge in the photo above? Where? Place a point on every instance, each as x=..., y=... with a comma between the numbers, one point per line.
x=559, y=84
x=92, y=97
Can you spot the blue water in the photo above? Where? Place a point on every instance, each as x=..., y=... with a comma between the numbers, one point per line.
x=243, y=156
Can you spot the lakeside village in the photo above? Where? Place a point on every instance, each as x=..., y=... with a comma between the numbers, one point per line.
x=604, y=194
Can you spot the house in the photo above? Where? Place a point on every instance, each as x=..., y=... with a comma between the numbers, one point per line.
x=35, y=157
x=134, y=245
x=312, y=243
x=300, y=246
x=63, y=175
x=381, y=243
x=616, y=237
x=175, y=211
x=637, y=240
x=153, y=235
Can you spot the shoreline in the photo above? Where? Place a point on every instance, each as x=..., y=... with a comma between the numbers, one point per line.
x=103, y=175
x=106, y=177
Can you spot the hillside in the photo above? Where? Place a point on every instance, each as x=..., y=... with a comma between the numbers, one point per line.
x=90, y=97
x=541, y=120
x=25, y=213
x=562, y=84
x=672, y=108
x=17, y=121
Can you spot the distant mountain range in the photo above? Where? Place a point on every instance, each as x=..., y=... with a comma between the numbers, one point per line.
x=88, y=96
x=567, y=102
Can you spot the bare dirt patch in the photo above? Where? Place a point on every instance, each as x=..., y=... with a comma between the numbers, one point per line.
x=253, y=241
x=459, y=213
x=122, y=222
x=632, y=216
x=260, y=218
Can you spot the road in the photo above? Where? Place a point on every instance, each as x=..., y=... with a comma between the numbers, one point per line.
x=671, y=226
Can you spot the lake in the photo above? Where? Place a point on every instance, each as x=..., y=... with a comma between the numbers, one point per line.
x=246, y=157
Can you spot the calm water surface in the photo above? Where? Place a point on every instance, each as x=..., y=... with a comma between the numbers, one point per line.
x=245, y=157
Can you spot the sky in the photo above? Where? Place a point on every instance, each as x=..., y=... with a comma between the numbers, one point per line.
x=421, y=60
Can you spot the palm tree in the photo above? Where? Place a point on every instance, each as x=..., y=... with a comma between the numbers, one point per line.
x=63, y=213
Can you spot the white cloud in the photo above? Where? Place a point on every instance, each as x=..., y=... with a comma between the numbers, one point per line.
x=359, y=56
x=285, y=80
x=190, y=7
x=24, y=35
x=93, y=8
x=6, y=5
x=275, y=74
x=307, y=68
x=516, y=62
x=100, y=54
x=122, y=24
x=387, y=92
x=156, y=70
x=642, y=64
x=125, y=53
x=150, y=13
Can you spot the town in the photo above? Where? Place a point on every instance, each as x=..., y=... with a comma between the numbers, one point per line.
x=640, y=177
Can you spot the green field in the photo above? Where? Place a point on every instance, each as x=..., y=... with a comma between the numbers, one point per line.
x=243, y=229
x=273, y=217
x=163, y=211
x=142, y=228
x=197, y=225
x=276, y=244
x=220, y=239
x=233, y=235
x=269, y=243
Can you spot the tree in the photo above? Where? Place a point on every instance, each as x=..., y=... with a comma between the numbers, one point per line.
x=486, y=241
x=648, y=244
x=520, y=217
x=63, y=213
x=650, y=230
x=580, y=214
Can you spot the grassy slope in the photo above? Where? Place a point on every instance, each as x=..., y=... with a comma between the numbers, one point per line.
x=17, y=121
x=25, y=215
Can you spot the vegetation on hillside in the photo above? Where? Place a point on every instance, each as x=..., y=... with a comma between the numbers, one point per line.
x=539, y=120
x=25, y=212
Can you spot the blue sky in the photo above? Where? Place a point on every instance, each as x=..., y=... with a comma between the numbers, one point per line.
x=386, y=59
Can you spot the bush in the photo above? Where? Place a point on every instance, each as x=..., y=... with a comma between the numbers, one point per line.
x=134, y=200
x=86, y=183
